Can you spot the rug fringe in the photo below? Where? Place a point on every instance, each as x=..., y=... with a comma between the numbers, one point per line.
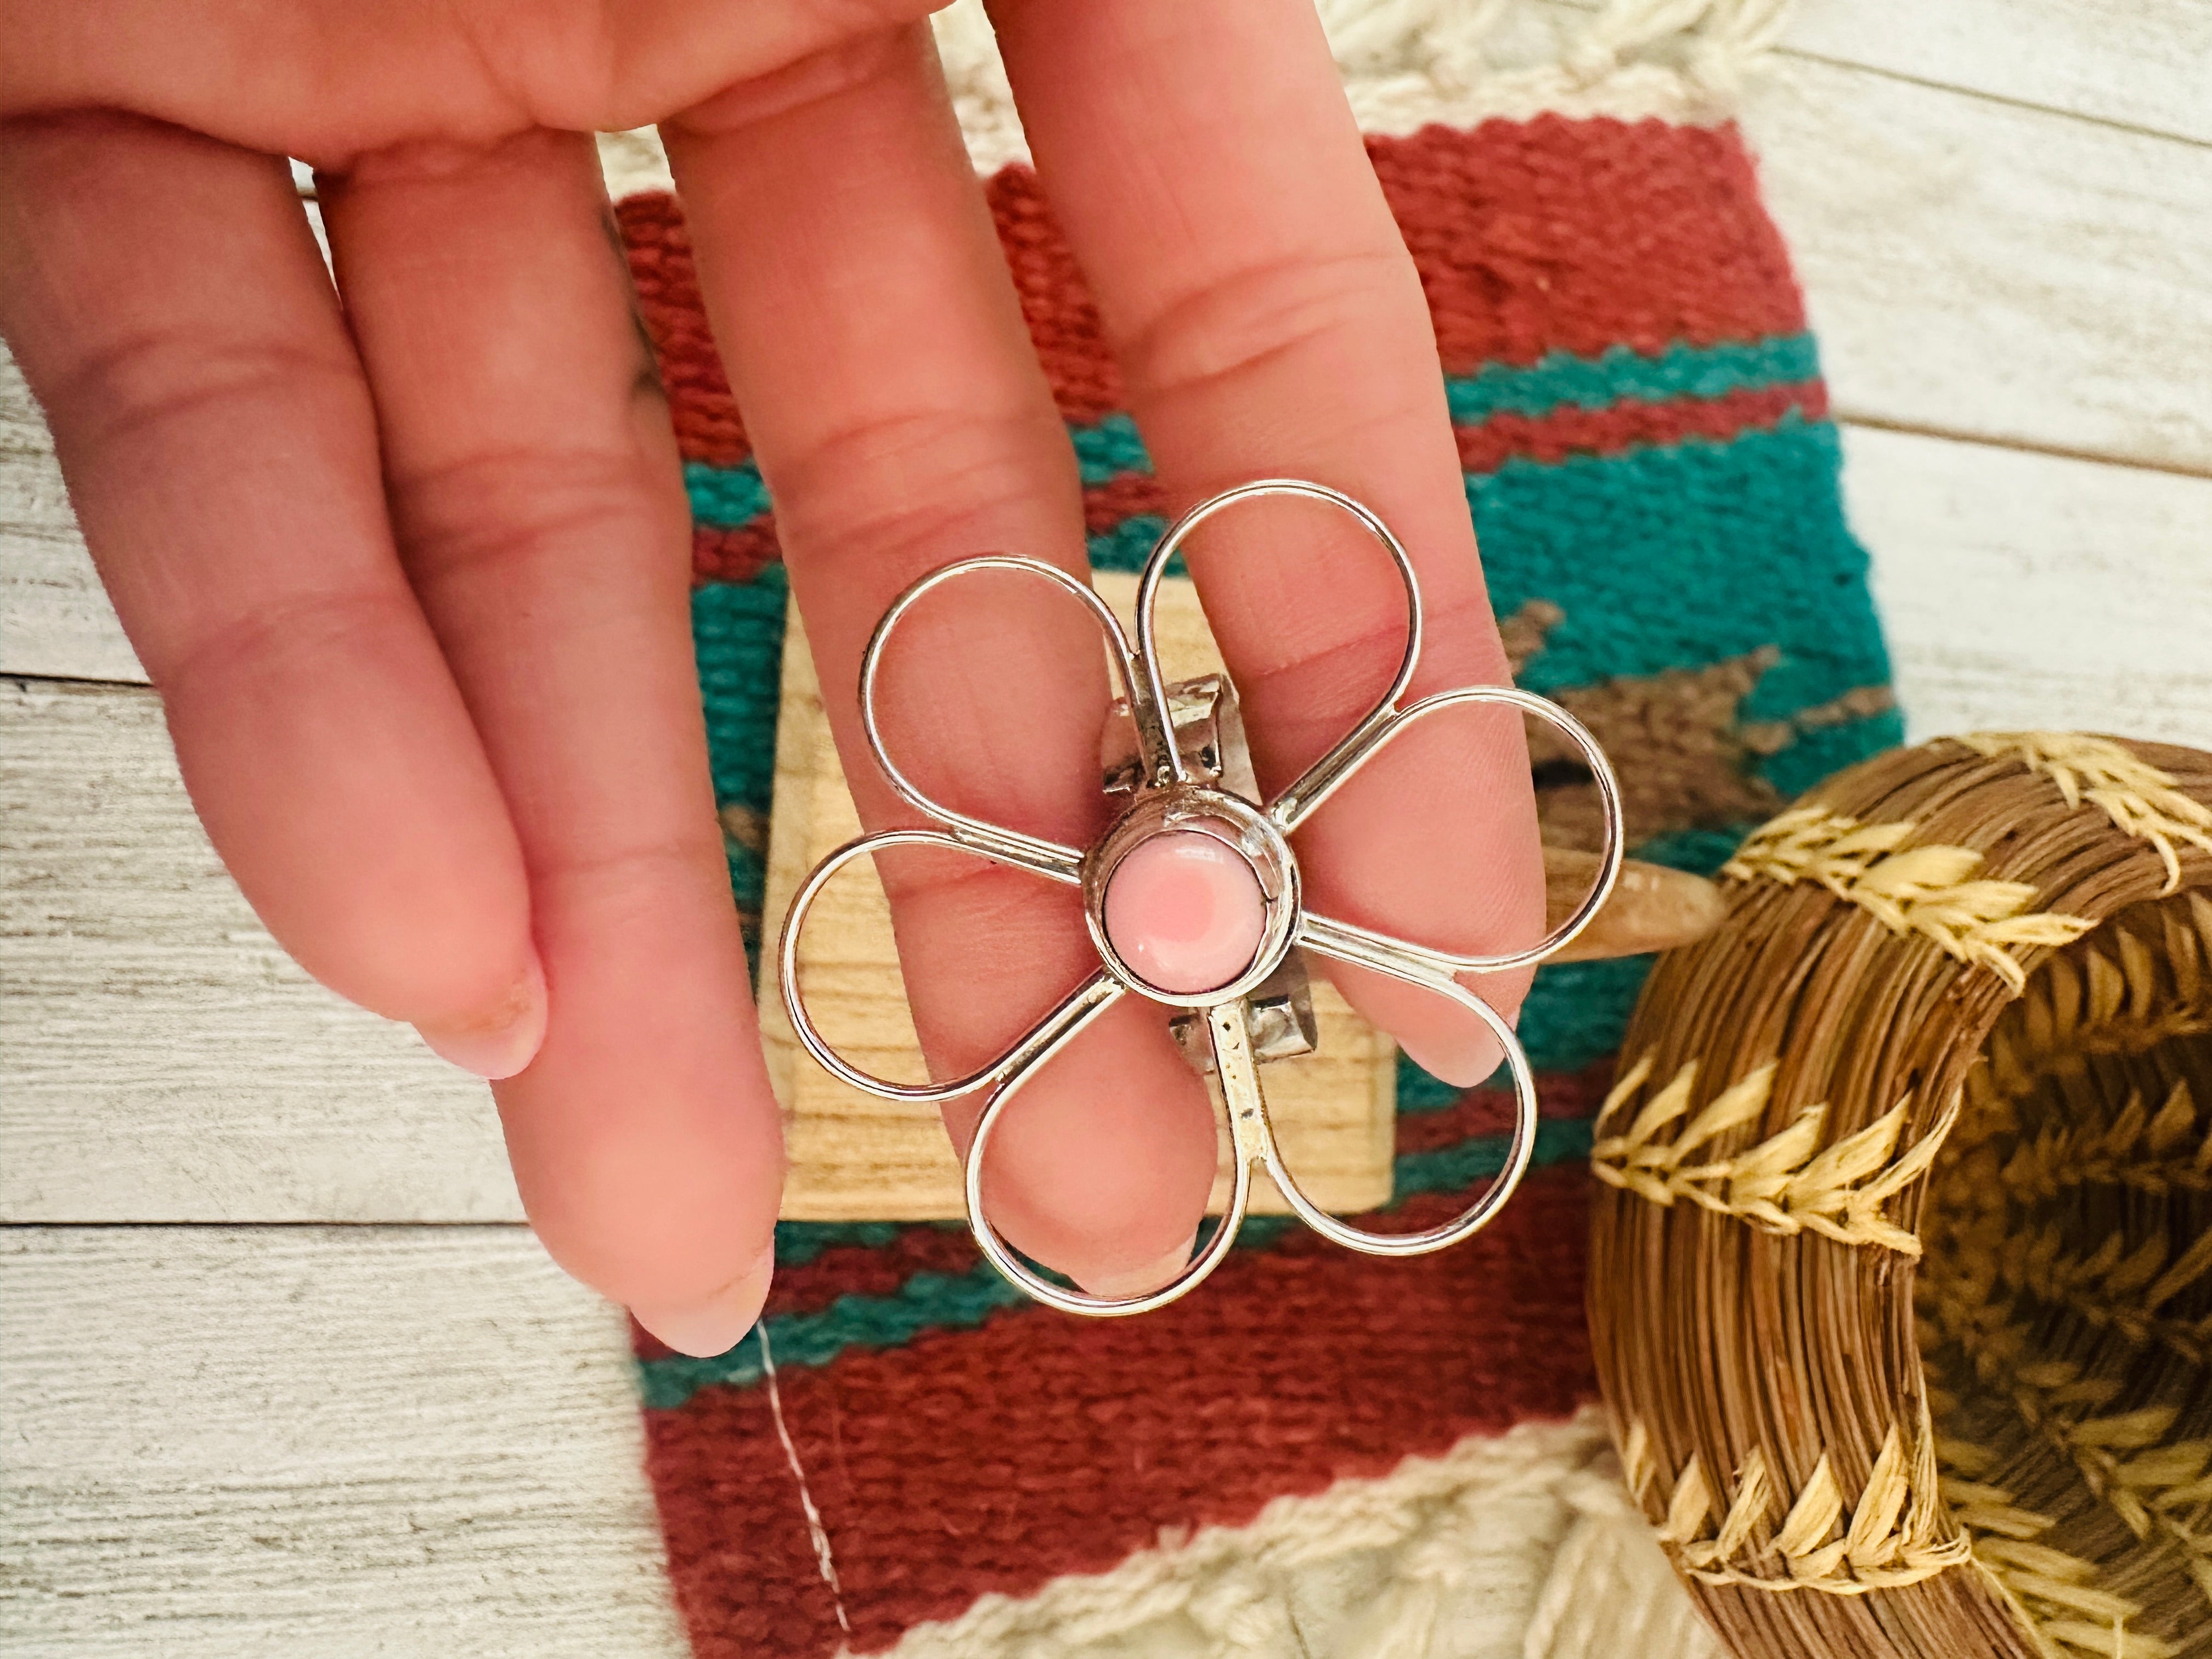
x=1406, y=65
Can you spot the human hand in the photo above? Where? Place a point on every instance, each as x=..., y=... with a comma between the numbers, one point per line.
x=408, y=561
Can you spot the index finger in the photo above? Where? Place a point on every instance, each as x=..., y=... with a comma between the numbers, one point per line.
x=1268, y=320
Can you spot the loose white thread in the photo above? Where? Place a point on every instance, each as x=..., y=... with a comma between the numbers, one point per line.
x=815, y=1529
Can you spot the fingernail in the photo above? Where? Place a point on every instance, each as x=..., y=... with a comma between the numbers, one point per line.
x=502, y=1043
x=1461, y=1060
x=1143, y=1281
x=714, y=1324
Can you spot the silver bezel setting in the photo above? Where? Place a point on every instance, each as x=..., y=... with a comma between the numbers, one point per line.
x=1238, y=825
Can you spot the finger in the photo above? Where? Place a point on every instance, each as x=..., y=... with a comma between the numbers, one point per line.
x=169, y=308
x=899, y=416
x=539, y=504
x=1268, y=321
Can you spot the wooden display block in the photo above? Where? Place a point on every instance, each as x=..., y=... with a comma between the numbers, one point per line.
x=855, y=1158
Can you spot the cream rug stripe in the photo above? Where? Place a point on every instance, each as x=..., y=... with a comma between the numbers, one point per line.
x=1523, y=1545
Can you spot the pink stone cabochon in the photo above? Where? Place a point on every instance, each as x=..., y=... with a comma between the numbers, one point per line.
x=1185, y=912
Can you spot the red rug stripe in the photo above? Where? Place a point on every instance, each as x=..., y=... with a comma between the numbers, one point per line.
x=1566, y=432
x=670, y=306
x=1489, y=1111
x=997, y=1459
x=1560, y=235
x=862, y=1270
x=1108, y=505
x=1548, y=235
x=721, y=554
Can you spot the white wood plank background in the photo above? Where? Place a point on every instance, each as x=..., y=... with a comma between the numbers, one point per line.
x=165, y=1060
x=1984, y=270
x=2129, y=63
x=229, y=1443
x=2022, y=590
x=411, y=1439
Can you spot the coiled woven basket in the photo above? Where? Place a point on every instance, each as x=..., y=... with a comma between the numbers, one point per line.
x=1901, y=1269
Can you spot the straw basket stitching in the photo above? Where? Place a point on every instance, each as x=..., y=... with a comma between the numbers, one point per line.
x=1895, y=1534
x=2140, y=800
x=1927, y=890
x=1785, y=1183
x=1941, y=1236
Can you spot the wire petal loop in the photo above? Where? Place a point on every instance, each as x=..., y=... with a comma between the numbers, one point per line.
x=1007, y=1261
x=975, y=831
x=1318, y=929
x=1477, y=1214
x=1073, y=1011
x=1169, y=769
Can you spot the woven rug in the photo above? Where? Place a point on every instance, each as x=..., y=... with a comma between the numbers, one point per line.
x=1319, y=1453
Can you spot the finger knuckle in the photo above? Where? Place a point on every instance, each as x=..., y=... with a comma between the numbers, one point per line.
x=500, y=514
x=899, y=489
x=285, y=635
x=1237, y=321
x=134, y=386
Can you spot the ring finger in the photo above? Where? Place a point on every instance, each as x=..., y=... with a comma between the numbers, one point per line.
x=1268, y=320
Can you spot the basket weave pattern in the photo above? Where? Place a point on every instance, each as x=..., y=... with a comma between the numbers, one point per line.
x=1901, y=1271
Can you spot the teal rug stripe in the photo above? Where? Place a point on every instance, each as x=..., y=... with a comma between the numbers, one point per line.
x=1675, y=519
x=798, y=1242
x=737, y=635
x=1447, y=1168
x=1561, y=379
x=726, y=496
x=1126, y=546
x=1574, y=1013
x=1111, y=447
x=933, y=1301
x=1826, y=751
x=926, y=1302
x=1674, y=589
x=1105, y=451
x=737, y=631
x=1701, y=852
x=1418, y=1092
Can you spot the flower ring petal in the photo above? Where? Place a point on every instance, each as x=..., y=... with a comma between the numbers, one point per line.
x=1032, y=852
x=1436, y=970
x=1065, y=1018
x=1169, y=769
x=1251, y=1150
x=1386, y=958
x=1319, y=931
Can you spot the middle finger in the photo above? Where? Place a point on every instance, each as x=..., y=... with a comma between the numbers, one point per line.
x=901, y=419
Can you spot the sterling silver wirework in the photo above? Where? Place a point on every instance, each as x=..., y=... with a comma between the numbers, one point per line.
x=1190, y=772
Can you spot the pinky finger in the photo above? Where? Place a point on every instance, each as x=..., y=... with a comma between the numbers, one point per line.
x=169, y=307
